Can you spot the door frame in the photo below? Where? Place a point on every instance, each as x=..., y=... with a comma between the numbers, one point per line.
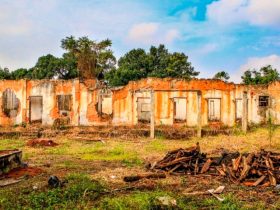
x=30, y=107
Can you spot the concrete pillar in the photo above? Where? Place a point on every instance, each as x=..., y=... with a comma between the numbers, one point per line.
x=245, y=112
x=152, y=120
x=199, y=114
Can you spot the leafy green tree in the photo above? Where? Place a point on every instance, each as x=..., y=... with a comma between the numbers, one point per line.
x=158, y=62
x=132, y=66
x=222, y=75
x=46, y=67
x=5, y=73
x=67, y=67
x=21, y=74
x=93, y=58
x=265, y=75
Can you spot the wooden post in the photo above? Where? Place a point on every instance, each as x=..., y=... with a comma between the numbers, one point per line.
x=199, y=114
x=152, y=120
x=100, y=102
x=245, y=112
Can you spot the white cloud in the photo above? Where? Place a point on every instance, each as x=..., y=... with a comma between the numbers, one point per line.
x=151, y=33
x=264, y=12
x=143, y=32
x=171, y=35
x=32, y=28
x=255, y=12
x=257, y=63
x=207, y=48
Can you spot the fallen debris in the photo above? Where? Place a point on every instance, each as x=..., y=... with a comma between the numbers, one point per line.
x=88, y=139
x=10, y=181
x=41, y=142
x=54, y=182
x=251, y=169
x=9, y=159
x=188, y=160
x=146, y=176
x=219, y=190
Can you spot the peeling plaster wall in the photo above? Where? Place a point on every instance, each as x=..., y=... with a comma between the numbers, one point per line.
x=46, y=90
x=18, y=87
x=123, y=103
x=274, y=92
x=166, y=90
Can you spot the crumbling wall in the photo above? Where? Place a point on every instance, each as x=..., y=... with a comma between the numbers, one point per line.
x=89, y=102
x=274, y=93
x=166, y=91
x=15, y=87
x=256, y=114
x=45, y=89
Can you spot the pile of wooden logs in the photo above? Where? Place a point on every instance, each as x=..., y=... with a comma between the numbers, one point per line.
x=188, y=161
x=253, y=169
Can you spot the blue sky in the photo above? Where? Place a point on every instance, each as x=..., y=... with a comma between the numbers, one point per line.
x=230, y=35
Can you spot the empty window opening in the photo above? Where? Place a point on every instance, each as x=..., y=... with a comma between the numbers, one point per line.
x=238, y=109
x=106, y=104
x=144, y=109
x=64, y=104
x=180, y=110
x=214, y=110
x=10, y=103
x=35, y=109
x=263, y=101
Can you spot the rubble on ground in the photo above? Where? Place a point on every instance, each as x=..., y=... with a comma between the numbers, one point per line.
x=9, y=159
x=252, y=169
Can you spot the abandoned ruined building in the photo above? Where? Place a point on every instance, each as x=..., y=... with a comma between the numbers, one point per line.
x=165, y=101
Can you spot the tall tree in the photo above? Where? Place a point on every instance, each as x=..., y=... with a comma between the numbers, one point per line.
x=158, y=62
x=265, y=75
x=93, y=58
x=222, y=75
x=46, y=67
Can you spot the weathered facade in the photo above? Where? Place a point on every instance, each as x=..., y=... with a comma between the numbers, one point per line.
x=175, y=102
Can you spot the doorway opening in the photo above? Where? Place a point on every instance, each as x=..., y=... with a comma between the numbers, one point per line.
x=180, y=110
x=35, y=109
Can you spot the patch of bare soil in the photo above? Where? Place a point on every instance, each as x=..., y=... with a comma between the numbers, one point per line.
x=20, y=172
x=41, y=142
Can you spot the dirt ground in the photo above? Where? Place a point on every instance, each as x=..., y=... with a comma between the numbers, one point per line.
x=109, y=160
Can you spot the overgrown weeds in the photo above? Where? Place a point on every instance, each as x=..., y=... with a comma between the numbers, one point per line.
x=79, y=192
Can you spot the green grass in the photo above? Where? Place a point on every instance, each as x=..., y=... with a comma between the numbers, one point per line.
x=80, y=192
x=11, y=144
x=97, y=151
x=148, y=201
x=156, y=145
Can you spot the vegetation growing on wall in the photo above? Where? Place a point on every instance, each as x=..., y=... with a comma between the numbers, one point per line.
x=222, y=75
